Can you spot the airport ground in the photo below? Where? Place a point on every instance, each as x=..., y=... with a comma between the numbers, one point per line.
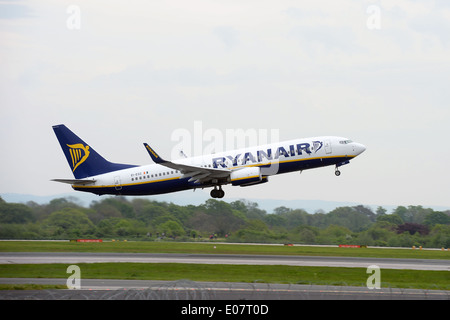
x=222, y=271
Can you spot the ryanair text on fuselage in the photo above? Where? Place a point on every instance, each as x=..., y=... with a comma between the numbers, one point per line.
x=267, y=154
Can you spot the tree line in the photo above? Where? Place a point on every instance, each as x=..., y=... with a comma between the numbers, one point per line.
x=238, y=221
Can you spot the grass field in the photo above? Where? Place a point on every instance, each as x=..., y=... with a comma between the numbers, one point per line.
x=217, y=248
x=228, y=273
x=235, y=273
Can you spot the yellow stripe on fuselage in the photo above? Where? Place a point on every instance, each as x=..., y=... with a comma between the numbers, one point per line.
x=244, y=178
x=291, y=160
x=125, y=184
x=175, y=178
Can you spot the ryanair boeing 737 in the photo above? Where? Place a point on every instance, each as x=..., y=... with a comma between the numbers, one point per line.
x=243, y=167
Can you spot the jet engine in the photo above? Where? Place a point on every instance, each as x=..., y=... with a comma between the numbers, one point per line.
x=247, y=177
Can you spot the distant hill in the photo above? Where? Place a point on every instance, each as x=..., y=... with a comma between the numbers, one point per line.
x=199, y=197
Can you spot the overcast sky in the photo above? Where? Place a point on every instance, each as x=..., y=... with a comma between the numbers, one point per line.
x=120, y=73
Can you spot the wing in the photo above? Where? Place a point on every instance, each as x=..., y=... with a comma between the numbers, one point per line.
x=196, y=174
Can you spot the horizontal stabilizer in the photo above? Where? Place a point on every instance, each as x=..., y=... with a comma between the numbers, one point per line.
x=75, y=181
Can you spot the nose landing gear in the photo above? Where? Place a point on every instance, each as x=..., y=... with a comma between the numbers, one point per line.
x=337, y=172
x=217, y=193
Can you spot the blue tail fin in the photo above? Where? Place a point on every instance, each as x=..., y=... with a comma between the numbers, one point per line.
x=83, y=160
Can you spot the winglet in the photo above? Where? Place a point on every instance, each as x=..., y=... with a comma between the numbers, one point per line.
x=155, y=157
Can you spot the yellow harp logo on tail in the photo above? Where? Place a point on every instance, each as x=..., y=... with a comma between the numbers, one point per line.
x=79, y=154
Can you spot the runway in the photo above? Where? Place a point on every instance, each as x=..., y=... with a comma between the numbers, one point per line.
x=107, y=289
x=92, y=289
x=351, y=262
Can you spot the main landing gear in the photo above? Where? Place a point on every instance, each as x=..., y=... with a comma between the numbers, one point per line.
x=217, y=193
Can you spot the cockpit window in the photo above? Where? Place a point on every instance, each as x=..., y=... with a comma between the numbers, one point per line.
x=345, y=141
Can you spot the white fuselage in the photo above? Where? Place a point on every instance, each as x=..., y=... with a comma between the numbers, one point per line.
x=271, y=159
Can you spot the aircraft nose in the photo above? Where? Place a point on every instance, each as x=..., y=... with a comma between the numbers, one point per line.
x=360, y=148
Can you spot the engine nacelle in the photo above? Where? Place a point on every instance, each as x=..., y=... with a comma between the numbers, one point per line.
x=247, y=176
x=264, y=179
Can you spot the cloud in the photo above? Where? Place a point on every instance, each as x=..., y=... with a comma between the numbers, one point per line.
x=433, y=25
x=137, y=73
x=228, y=35
x=326, y=39
x=11, y=10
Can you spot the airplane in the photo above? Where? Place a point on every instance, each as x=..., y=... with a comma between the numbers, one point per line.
x=241, y=167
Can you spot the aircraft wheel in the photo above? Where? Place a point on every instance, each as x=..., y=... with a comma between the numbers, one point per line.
x=337, y=173
x=217, y=193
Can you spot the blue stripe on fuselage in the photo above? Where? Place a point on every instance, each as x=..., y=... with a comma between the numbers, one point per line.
x=141, y=188
x=177, y=184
